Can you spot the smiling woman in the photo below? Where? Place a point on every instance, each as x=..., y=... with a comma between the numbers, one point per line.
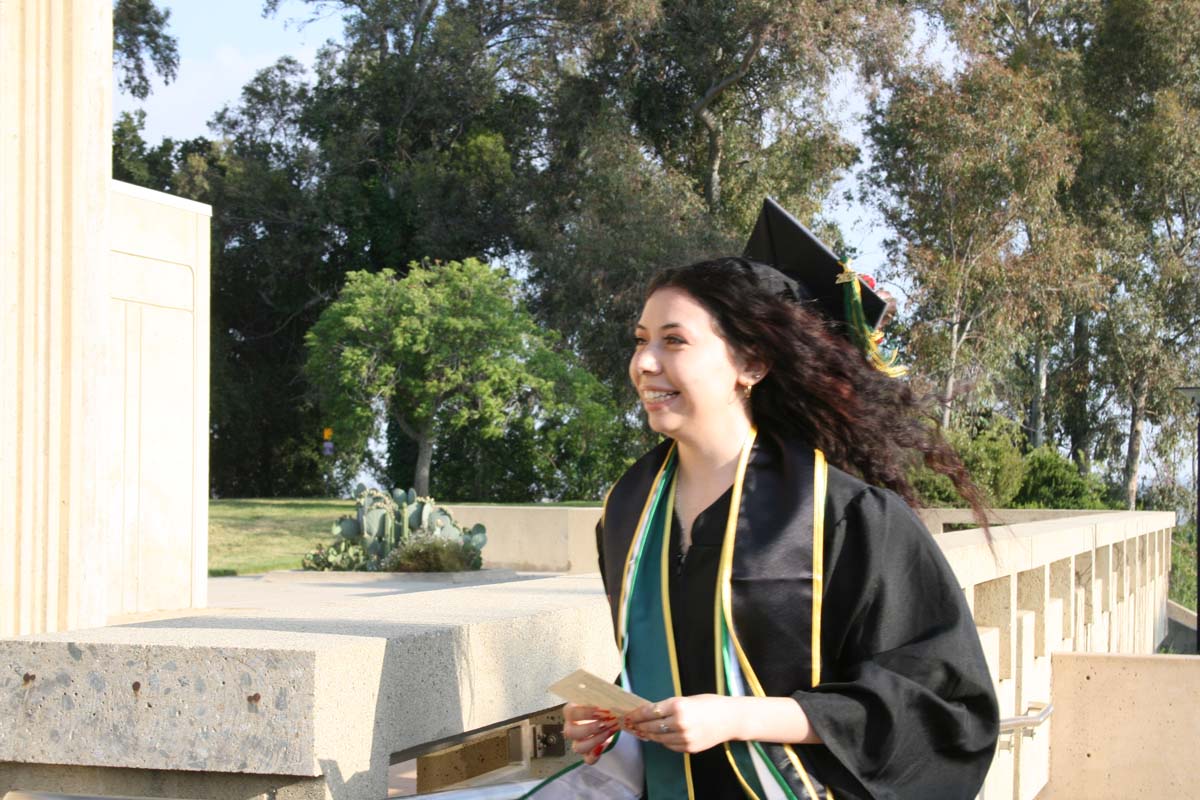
x=796, y=629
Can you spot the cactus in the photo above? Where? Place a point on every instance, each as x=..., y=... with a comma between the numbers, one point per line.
x=385, y=521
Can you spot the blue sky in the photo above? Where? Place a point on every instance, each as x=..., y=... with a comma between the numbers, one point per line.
x=223, y=43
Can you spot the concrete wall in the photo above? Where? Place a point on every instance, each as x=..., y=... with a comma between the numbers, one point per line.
x=1124, y=726
x=539, y=539
x=311, y=697
x=159, y=321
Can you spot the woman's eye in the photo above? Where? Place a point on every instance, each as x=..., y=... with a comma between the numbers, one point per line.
x=674, y=340
x=638, y=341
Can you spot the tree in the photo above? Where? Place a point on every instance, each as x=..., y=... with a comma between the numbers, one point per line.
x=445, y=347
x=662, y=139
x=141, y=40
x=961, y=164
x=1140, y=179
x=730, y=92
x=609, y=219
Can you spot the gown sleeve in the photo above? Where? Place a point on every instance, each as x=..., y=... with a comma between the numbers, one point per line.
x=905, y=707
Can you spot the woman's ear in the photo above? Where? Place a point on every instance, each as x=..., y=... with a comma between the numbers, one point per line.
x=753, y=371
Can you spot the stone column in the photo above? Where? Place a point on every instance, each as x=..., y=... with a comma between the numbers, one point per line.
x=55, y=168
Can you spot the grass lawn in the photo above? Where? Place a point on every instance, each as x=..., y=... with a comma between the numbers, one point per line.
x=252, y=536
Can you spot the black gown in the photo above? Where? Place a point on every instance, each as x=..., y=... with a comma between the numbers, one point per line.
x=905, y=706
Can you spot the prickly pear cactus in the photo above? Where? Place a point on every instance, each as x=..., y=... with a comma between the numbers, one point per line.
x=385, y=521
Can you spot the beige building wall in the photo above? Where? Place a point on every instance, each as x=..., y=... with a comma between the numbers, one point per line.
x=158, y=333
x=55, y=154
x=103, y=346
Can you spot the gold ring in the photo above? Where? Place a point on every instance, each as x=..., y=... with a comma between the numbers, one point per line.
x=659, y=712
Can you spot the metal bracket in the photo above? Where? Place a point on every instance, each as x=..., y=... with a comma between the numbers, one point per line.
x=548, y=741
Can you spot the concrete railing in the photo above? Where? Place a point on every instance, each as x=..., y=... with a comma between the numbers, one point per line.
x=1086, y=583
x=314, y=696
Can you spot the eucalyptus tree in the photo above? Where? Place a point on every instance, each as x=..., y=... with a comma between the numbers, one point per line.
x=1044, y=378
x=1141, y=175
x=962, y=161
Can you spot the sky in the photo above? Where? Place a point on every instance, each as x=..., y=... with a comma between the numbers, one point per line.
x=223, y=43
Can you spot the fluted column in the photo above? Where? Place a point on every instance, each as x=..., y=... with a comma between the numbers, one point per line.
x=55, y=168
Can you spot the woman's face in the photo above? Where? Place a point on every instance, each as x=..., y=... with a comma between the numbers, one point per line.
x=690, y=381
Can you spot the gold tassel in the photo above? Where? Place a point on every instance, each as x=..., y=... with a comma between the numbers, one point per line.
x=866, y=337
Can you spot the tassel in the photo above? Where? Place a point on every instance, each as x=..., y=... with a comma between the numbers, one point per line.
x=867, y=338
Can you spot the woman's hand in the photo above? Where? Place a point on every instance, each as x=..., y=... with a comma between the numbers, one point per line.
x=687, y=724
x=695, y=723
x=588, y=729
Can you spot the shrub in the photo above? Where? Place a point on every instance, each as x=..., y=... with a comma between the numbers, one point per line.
x=1053, y=481
x=432, y=554
x=991, y=452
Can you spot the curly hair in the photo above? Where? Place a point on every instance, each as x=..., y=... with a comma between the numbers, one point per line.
x=819, y=386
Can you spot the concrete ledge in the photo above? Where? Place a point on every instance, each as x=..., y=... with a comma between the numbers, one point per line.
x=340, y=685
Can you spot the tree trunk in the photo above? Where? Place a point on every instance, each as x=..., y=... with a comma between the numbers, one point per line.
x=948, y=395
x=424, y=461
x=716, y=149
x=1137, y=416
x=1037, y=408
x=1078, y=420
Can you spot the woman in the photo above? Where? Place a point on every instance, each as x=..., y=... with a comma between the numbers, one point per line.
x=796, y=628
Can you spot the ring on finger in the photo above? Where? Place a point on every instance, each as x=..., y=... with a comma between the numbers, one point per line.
x=664, y=727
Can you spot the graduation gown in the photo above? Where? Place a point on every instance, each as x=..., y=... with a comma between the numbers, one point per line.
x=902, y=699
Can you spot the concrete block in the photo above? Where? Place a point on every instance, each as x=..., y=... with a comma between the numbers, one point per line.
x=536, y=538
x=340, y=685
x=1124, y=726
x=229, y=709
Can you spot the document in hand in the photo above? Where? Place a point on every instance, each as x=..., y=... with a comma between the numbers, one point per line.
x=583, y=688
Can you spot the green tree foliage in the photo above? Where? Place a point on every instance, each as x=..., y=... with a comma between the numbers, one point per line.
x=1042, y=192
x=448, y=347
x=141, y=42
x=1053, y=481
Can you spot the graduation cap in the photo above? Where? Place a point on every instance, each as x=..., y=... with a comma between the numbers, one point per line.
x=811, y=273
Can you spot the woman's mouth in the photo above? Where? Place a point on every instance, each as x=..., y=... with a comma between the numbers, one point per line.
x=655, y=397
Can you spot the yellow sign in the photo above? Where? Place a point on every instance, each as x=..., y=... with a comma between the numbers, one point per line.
x=328, y=434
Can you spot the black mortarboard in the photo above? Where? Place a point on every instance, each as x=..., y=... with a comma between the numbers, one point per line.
x=780, y=241
x=804, y=267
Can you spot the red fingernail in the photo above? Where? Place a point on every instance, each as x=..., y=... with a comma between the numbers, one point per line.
x=597, y=750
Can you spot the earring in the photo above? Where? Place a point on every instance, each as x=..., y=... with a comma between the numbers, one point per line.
x=746, y=392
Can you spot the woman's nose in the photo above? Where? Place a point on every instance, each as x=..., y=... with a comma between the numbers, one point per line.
x=644, y=361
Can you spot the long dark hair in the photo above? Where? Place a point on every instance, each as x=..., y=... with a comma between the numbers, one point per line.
x=819, y=386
